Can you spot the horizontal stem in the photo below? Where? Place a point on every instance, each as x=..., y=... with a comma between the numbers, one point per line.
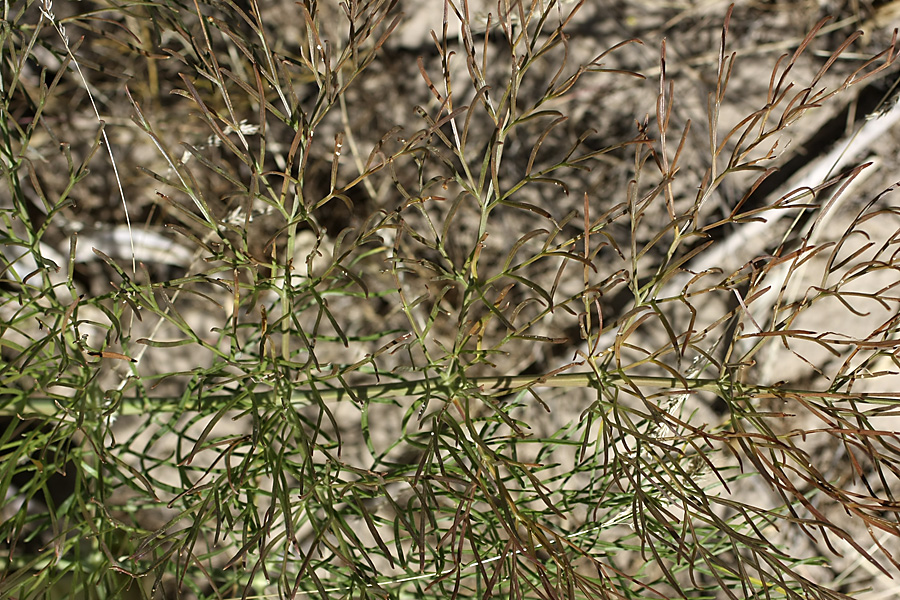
x=26, y=405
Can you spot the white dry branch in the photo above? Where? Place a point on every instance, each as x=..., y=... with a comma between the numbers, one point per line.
x=754, y=239
x=147, y=246
x=847, y=152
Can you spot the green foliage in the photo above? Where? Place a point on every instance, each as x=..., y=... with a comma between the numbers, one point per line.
x=350, y=388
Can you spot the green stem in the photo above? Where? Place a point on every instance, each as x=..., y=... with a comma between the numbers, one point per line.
x=25, y=405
